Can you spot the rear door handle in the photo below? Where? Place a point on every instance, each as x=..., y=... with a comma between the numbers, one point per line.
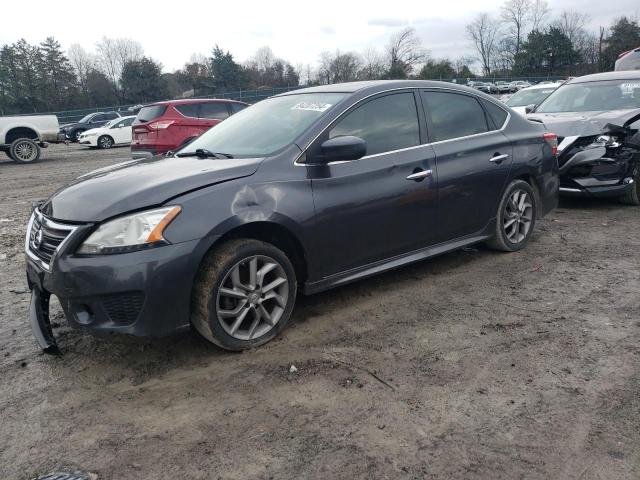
x=417, y=176
x=499, y=158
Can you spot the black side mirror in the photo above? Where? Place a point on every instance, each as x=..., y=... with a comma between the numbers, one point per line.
x=530, y=108
x=342, y=148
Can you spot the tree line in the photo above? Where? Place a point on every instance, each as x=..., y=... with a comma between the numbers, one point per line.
x=524, y=39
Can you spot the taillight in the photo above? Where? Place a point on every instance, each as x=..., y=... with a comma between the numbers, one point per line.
x=161, y=125
x=552, y=140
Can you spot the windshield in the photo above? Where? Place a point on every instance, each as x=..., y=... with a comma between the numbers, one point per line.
x=529, y=97
x=267, y=126
x=593, y=96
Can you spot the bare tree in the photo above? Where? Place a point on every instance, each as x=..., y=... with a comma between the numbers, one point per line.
x=404, y=50
x=483, y=32
x=338, y=67
x=82, y=62
x=538, y=14
x=373, y=64
x=516, y=14
x=113, y=54
x=263, y=58
x=572, y=24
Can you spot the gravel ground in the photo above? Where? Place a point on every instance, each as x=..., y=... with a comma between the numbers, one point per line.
x=474, y=365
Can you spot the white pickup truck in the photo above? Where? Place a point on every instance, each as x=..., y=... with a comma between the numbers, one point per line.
x=21, y=137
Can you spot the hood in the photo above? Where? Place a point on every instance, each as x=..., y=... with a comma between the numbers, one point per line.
x=96, y=130
x=582, y=124
x=138, y=184
x=68, y=125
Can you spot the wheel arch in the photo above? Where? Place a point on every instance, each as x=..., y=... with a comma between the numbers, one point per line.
x=531, y=180
x=15, y=133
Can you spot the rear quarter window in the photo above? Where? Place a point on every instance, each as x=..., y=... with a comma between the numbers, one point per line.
x=497, y=115
x=146, y=114
x=188, y=109
x=214, y=110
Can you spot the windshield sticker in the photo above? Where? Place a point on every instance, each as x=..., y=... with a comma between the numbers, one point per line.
x=312, y=106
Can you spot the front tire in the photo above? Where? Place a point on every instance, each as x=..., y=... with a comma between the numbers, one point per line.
x=24, y=150
x=516, y=217
x=105, y=141
x=244, y=294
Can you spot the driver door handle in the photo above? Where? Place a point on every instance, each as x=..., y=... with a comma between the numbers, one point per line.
x=499, y=158
x=420, y=175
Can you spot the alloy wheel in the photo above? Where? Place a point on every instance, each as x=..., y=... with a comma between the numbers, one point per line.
x=105, y=142
x=25, y=151
x=252, y=297
x=518, y=216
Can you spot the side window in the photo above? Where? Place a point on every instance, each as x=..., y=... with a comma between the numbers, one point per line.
x=454, y=115
x=188, y=109
x=236, y=107
x=386, y=123
x=214, y=110
x=126, y=123
x=111, y=116
x=98, y=118
x=496, y=114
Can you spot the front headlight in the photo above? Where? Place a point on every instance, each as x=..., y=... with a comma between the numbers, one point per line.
x=132, y=232
x=85, y=135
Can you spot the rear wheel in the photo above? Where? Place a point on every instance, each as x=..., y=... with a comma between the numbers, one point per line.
x=244, y=294
x=633, y=196
x=105, y=141
x=24, y=150
x=515, y=218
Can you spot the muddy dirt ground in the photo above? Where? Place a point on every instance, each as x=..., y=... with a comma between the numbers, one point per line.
x=475, y=365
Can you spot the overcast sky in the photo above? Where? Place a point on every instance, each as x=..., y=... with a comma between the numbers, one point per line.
x=170, y=32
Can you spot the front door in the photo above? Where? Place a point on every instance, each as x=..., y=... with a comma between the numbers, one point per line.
x=383, y=204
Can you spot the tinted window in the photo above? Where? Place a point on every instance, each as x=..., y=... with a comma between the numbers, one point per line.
x=111, y=116
x=99, y=118
x=236, y=107
x=146, y=114
x=214, y=110
x=454, y=115
x=496, y=114
x=386, y=123
x=188, y=109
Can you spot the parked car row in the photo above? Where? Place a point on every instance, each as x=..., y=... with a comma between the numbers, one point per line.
x=499, y=86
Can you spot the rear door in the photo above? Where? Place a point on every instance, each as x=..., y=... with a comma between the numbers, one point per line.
x=122, y=131
x=473, y=160
x=372, y=208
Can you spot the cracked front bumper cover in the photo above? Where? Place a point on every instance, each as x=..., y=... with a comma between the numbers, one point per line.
x=40, y=322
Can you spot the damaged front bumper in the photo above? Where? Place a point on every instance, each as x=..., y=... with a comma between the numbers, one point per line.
x=606, y=165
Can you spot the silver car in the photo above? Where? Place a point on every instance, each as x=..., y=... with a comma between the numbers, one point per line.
x=629, y=60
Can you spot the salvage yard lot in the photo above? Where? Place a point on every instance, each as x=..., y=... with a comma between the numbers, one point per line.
x=473, y=365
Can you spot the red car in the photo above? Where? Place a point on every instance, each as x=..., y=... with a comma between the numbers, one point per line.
x=169, y=125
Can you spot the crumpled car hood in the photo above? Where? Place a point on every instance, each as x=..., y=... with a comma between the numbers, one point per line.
x=138, y=184
x=582, y=124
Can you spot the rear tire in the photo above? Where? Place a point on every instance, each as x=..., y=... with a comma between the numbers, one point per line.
x=243, y=294
x=633, y=196
x=105, y=141
x=516, y=217
x=24, y=150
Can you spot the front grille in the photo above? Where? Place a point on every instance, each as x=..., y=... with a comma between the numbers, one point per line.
x=123, y=308
x=44, y=238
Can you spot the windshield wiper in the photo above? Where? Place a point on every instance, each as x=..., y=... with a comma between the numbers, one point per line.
x=204, y=153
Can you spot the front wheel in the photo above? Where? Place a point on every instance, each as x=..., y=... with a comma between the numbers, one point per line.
x=105, y=141
x=515, y=218
x=244, y=294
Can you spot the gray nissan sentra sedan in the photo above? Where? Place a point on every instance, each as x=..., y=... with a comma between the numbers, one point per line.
x=304, y=191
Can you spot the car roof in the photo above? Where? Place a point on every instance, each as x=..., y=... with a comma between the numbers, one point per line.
x=186, y=101
x=375, y=86
x=617, y=75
